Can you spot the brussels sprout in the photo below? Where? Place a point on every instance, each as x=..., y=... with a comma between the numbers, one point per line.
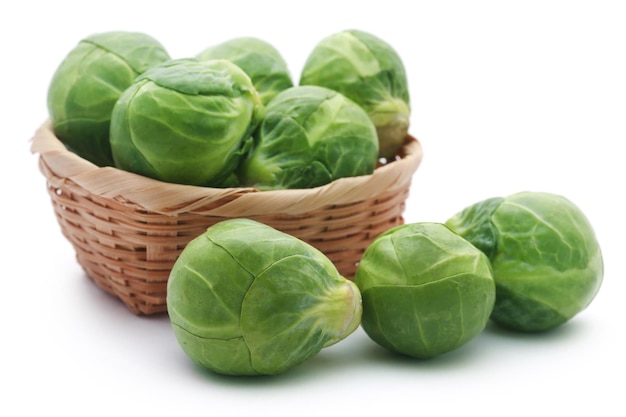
x=186, y=121
x=426, y=291
x=246, y=299
x=260, y=60
x=370, y=72
x=546, y=260
x=88, y=82
x=310, y=136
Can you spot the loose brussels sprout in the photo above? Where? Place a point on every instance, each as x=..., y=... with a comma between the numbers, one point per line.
x=546, y=260
x=186, y=122
x=88, y=82
x=310, y=136
x=426, y=291
x=370, y=72
x=260, y=60
x=246, y=299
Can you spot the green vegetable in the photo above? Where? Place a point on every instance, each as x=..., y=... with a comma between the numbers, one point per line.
x=246, y=299
x=260, y=60
x=186, y=122
x=546, y=259
x=89, y=81
x=370, y=72
x=426, y=291
x=310, y=136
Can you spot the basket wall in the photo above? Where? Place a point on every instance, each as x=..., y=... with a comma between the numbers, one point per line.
x=128, y=249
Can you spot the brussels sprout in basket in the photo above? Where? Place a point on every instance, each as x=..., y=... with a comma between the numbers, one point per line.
x=370, y=72
x=186, y=122
x=89, y=81
x=310, y=136
x=246, y=299
x=426, y=291
x=260, y=60
x=546, y=259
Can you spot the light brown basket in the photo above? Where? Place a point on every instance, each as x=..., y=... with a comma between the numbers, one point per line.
x=127, y=230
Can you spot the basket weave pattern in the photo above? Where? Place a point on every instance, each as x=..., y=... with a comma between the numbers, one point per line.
x=128, y=230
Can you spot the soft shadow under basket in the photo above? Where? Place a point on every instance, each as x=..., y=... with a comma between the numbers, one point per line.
x=128, y=230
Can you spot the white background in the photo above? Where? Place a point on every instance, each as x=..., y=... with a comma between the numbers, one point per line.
x=506, y=96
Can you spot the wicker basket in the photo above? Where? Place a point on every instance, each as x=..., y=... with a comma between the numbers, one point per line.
x=128, y=230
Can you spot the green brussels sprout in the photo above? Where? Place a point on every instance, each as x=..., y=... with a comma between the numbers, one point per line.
x=246, y=299
x=89, y=81
x=260, y=60
x=370, y=72
x=546, y=260
x=186, y=121
x=426, y=291
x=310, y=136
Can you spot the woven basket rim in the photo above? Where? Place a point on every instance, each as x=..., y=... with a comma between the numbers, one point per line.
x=171, y=199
